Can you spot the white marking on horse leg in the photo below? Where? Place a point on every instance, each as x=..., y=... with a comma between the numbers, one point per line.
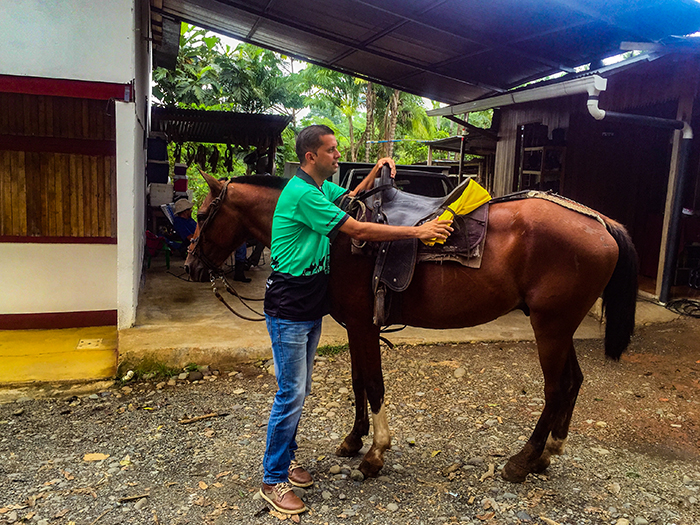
x=382, y=436
x=555, y=446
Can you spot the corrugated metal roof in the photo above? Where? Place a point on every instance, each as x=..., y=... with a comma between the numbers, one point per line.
x=448, y=50
x=221, y=127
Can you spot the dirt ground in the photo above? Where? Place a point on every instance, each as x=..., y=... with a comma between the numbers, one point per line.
x=457, y=412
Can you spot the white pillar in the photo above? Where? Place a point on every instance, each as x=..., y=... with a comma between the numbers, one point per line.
x=131, y=195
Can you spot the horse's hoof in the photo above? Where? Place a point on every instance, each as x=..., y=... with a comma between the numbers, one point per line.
x=370, y=470
x=541, y=465
x=348, y=448
x=513, y=473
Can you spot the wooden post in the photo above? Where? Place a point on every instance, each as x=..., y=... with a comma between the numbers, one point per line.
x=272, y=150
x=685, y=111
x=430, y=156
x=461, y=158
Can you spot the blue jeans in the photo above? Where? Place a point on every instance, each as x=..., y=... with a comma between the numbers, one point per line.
x=293, y=349
x=241, y=253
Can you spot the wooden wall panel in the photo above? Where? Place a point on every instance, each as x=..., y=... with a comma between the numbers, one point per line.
x=5, y=193
x=52, y=184
x=552, y=113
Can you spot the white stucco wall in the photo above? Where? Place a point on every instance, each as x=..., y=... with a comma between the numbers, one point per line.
x=101, y=42
x=43, y=278
x=131, y=196
x=71, y=39
x=132, y=125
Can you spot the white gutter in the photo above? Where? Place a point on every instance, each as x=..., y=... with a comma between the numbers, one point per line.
x=592, y=85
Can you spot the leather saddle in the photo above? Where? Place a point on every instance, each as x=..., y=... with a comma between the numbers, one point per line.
x=396, y=260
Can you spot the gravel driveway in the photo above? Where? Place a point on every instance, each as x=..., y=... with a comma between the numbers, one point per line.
x=457, y=412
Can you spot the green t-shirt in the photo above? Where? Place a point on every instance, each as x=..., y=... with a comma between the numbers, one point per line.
x=305, y=221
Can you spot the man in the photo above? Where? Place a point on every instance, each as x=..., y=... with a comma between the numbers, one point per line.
x=306, y=219
x=183, y=223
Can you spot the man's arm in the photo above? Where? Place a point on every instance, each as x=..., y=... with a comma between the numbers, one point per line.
x=371, y=231
x=368, y=181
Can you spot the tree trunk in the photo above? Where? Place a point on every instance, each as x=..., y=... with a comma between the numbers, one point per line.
x=369, y=128
x=393, y=118
x=353, y=150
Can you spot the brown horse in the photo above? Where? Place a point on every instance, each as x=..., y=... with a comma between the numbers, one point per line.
x=542, y=258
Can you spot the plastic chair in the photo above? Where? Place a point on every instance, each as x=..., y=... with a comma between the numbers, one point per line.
x=154, y=244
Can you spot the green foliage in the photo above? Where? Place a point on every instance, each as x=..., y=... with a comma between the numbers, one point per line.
x=194, y=81
x=147, y=368
x=213, y=76
x=481, y=119
x=330, y=350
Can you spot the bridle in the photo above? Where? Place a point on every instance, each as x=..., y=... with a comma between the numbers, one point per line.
x=215, y=271
x=213, y=209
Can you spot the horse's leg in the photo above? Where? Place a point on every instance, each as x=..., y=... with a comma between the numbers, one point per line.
x=560, y=430
x=352, y=443
x=554, y=349
x=367, y=367
x=373, y=461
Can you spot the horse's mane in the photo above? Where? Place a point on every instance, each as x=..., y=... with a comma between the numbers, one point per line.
x=267, y=181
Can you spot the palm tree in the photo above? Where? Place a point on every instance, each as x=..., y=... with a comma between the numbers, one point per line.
x=339, y=92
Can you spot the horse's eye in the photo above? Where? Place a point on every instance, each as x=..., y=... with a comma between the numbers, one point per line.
x=201, y=217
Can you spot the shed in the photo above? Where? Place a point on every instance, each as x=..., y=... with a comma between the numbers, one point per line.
x=628, y=171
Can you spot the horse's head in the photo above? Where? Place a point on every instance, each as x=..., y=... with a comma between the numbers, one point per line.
x=219, y=231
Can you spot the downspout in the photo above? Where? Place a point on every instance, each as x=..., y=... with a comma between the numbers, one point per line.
x=673, y=238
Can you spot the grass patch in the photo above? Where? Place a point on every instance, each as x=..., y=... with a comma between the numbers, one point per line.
x=328, y=350
x=147, y=368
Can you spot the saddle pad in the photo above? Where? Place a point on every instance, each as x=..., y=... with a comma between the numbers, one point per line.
x=470, y=260
x=469, y=232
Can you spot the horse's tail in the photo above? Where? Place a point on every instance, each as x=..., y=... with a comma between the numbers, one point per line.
x=620, y=294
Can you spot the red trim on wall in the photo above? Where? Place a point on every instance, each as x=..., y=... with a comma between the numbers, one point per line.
x=28, y=239
x=55, y=320
x=65, y=88
x=58, y=145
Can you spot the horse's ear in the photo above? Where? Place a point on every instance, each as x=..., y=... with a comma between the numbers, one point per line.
x=212, y=182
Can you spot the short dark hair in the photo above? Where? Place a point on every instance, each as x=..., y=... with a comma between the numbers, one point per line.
x=309, y=139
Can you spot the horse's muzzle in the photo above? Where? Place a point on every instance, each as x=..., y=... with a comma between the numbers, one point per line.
x=195, y=269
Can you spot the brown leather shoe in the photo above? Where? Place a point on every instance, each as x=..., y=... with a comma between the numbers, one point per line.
x=298, y=476
x=282, y=498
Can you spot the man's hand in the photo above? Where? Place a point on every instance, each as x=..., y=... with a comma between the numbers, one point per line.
x=435, y=229
x=368, y=181
x=390, y=162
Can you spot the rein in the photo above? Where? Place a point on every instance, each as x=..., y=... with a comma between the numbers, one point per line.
x=215, y=272
x=214, y=277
